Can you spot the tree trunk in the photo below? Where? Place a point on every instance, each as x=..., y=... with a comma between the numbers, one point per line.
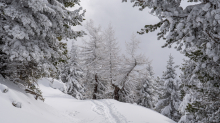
x=116, y=92
x=96, y=87
x=117, y=89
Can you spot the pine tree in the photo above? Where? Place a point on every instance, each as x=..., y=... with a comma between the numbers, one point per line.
x=30, y=35
x=168, y=104
x=72, y=75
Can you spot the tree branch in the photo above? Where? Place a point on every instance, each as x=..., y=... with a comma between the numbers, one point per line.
x=210, y=36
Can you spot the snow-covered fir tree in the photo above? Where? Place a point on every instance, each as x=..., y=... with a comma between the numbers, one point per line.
x=72, y=75
x=195, y=31
x=157, y=89
x=187, y=94
x=197, y=105
x=146, y=91
x=168, y=104
x=30, y=35
x=150, y=70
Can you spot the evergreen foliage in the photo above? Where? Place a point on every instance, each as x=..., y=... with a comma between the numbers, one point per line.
x=157, y=89
x=30, y=35
x=72, y=75
x=168, y=104
x=195, y=32
x=146, y=90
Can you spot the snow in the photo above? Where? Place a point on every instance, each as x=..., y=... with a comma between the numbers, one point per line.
x=3, y=88
x=32, y=111
x=62, y=108
x=56, y=84
x=206, y=7
x=17, y=104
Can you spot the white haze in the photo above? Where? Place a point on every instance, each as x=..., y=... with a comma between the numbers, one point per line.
x=127, y=20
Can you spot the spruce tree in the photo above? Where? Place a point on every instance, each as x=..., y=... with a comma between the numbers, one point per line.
x=30, y=37
x=168, y=104
x=200, y=103
x=194, y=31
x=146, y=92
x=72, y=75
x=157, y=89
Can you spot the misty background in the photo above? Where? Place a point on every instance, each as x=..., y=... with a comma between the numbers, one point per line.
x=127, y=20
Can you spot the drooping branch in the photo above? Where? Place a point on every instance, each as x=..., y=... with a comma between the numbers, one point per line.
x=212, y=37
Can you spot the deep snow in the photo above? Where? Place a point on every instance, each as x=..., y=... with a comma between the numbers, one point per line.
x=62, y=108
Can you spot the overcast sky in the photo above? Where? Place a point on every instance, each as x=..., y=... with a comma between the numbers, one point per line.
x=127, y=20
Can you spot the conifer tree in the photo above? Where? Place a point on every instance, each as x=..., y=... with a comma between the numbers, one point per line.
x=168, y=104
x=30, y=35
x=198, y=104
x=72, y=75
x=146, y=92
x=157, y=89
x=189, y=93
x=195, y=32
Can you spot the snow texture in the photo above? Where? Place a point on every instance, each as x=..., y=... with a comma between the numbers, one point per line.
x=3, y=88
x=56, y=84
x=62, y=108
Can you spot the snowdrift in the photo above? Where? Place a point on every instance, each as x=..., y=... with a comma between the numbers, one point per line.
x=62, y=108
x=28, y=109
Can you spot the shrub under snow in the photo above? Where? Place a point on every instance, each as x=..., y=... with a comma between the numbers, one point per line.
x=3, y=88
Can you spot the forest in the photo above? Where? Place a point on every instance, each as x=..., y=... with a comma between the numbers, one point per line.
x=32, y=46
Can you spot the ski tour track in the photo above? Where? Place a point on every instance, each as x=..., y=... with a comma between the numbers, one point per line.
x=108, y=111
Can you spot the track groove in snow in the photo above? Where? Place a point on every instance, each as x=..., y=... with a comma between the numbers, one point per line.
x=108, y=111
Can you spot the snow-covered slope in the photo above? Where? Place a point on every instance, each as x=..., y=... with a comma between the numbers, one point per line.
x=61, y=108
x=31, y=111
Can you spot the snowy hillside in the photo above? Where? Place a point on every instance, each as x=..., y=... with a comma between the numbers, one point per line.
x=61, y=108
x=31, y=111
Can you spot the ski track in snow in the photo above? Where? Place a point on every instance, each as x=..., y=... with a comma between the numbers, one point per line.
x=108, y=111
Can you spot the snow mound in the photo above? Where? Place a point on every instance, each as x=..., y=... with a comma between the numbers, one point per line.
x=17, y=104
x=3, y=88
x=55, y=84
